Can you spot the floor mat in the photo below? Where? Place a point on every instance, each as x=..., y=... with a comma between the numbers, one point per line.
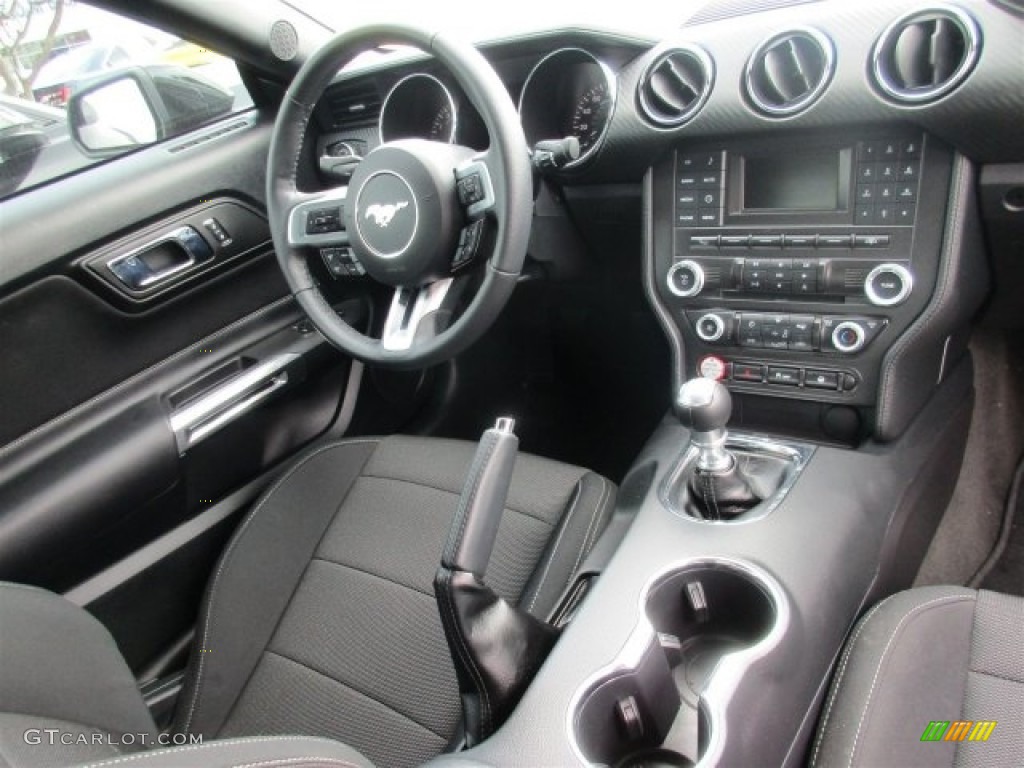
x=1008, y=573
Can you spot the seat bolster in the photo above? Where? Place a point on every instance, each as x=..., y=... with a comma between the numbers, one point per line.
x=905, y=665
x=255, y=752
x=58, y=662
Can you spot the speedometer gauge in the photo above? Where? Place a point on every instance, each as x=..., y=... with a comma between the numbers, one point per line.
x=442, y=128
x=570, y=92
x=591, y=115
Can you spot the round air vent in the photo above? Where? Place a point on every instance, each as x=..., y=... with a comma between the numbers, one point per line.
x=675, y=86
x=789, y=71
x=926, y=54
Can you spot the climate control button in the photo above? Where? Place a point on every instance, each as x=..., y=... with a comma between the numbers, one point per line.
x=888, y=285
x=685, y=278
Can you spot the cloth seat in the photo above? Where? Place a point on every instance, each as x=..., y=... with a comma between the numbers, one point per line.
x=320, y=619
x=922, y=678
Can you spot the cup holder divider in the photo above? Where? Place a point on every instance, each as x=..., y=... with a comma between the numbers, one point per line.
x=663, y=697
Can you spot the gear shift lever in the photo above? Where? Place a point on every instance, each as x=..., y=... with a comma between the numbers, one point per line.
x=717, y=487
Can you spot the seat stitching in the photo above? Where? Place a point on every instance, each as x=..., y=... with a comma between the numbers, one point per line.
x=591, y=527
x=196, y=747
x=881, y=661
x=374, y=575
x=450, y=492
x=355, y=689
x=464, y=653
x=839, y=677
x=558, y=540
x=309, y=760
x=997, y=677
x=230, y=551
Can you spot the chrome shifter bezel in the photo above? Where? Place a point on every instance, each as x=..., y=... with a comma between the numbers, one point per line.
x=798, y=454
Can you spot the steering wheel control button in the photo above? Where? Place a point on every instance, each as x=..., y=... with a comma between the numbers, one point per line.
x=685, y=279
x=713, y=367
x=469, y=244
x=321, y=221
x=340, y=262
x=470, y=189
x=848, y=337
x=710, y=327
x=888, y=285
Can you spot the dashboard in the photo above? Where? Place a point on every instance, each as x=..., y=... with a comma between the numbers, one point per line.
x=800, y=165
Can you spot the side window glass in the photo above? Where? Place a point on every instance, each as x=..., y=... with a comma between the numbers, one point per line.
x=79, y=85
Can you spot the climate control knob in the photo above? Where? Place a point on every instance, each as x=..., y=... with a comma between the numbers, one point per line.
x=685, y=278
x=888, y=285
x=849, y=337
x=710, y=327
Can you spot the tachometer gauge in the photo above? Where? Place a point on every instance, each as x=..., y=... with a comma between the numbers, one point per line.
x=590, y=116
x=419, y=106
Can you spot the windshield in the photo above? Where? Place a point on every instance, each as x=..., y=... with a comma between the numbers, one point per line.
x=482, y=21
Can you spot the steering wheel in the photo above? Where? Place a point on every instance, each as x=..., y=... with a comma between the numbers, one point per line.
x=415, y=214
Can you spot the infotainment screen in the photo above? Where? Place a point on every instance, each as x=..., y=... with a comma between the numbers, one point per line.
x=802, y=181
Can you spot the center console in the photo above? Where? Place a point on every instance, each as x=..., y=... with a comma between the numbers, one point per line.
x=789, y=267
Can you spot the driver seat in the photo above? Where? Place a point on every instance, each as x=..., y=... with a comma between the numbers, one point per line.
x=320, y=620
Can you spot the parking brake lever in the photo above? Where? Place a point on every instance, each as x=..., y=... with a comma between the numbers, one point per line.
x=496, y=646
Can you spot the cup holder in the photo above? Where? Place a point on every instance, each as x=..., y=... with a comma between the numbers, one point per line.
x=647, y=708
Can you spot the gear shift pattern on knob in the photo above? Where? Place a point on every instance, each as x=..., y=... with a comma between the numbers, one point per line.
x=718, y=488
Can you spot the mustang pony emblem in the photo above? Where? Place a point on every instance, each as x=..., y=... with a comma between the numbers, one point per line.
x=383, y=214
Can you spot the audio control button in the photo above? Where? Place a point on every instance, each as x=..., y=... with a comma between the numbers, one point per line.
x=848, y=337
x=685, y=278
x=710, y=327
x=734, y=241
x=888, y=285
x=870, y=241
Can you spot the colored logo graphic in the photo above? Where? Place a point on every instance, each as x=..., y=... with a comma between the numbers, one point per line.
x=958, y=730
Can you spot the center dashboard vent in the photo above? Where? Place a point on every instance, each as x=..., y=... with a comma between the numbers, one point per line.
x=675, y=86
x=788, y=72
x=923, y=56
x=346, y=105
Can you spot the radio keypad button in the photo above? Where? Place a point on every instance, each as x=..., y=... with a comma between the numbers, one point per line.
x=734, y=241
x=905, y=214
x=866, y=193
x=886, y=172
x=766, y=241
x=885, y=193
x=703, y=241
x=889, y=150
x=709, y=180
x=687, y=200
x=834, y=241
x=686, y=218
x=709, y=198
x=906, y=193
x=885, y=214
x=870, y=241
x=910, y=148
x=864, y=215
x=709, y=216
x=907, y=171
x=688, y=180
x=867, y=173
x=799, y=241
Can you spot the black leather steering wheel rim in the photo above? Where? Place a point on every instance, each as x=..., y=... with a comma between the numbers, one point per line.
x=507, y=160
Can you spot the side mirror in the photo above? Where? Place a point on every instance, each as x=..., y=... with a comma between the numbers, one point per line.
x=113, y=115
x=132, y=107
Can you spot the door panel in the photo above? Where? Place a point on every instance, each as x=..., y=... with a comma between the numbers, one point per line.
x=91, y=470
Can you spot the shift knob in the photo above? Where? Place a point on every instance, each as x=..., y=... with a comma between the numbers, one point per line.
x=703, y=405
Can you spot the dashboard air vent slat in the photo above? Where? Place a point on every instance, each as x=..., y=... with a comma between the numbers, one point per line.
x=924, y=56
x=788, y=72
x=675, y=86
x=345, y=105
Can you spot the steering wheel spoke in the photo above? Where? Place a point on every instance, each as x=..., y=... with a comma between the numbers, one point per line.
x=318, y=219
x=474, y=186
x=411, y=308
